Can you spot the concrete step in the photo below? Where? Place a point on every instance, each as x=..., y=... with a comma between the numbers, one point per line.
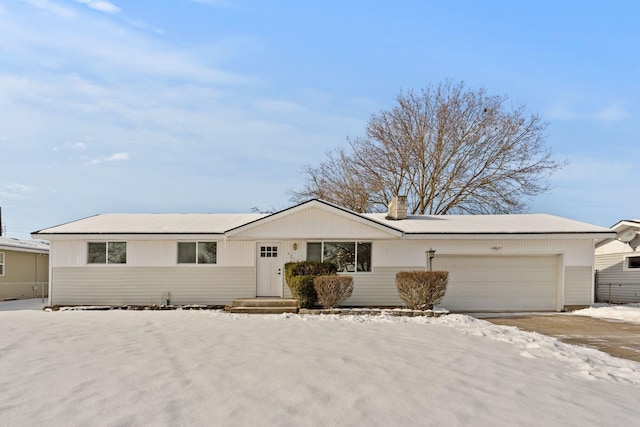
x=265, y=302
x=263, y=310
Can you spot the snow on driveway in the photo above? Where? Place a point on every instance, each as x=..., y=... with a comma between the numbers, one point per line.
x=179, y=368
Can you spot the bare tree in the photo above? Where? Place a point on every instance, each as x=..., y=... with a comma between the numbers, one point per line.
x=447, y=148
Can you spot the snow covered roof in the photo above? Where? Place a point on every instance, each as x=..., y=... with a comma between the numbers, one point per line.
x=488, y=224
x=11, y=244
x=413, y=225
x=153, y=224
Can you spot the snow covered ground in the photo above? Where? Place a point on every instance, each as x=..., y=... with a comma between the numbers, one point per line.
x=627, y=312
x=180, y=368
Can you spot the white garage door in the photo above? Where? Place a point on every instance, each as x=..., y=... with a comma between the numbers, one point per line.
x=493, y=283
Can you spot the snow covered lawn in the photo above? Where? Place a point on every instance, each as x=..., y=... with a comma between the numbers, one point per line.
x=190, y=368
x=627, y=312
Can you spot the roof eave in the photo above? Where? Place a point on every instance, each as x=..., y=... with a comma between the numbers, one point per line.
x=511, y=235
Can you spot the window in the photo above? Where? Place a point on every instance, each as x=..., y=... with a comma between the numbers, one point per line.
x=633, y=262
x=1, y=263
x=268, y=252
x=348, y=256
x=107, y=252
x=197, y=252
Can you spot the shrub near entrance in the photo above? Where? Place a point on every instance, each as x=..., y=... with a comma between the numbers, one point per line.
x=333, y=289
x=299, y=277
x=421, y=290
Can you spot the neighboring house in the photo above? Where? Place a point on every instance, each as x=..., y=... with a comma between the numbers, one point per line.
x=24, y=268
x=496, y=262
x=618, y=264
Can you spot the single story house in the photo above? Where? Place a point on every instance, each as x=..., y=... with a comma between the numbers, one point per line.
x=496, y=262
x=617, y=263
x=24, y=268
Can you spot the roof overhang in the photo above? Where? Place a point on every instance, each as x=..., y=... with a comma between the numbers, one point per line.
x=620, y=226
x=511, y=236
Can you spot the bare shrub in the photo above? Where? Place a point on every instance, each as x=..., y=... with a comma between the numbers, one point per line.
x=421, y=290
x=333, y=289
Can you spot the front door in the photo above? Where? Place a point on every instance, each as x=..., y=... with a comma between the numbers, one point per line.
x=269, y=270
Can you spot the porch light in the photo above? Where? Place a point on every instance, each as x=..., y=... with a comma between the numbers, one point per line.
x=431, y=253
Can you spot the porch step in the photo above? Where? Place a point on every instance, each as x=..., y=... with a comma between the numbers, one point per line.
x=264, y=302
x=263, y=306
x=262, y=310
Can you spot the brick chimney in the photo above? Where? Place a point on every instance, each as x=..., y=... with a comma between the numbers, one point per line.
x=398, y=208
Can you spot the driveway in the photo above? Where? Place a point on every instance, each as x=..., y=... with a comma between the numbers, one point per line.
x=616, y=338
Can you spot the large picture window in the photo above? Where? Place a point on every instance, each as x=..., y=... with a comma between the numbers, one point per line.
x=197, y=253
x=107, y=252
x=1, y=263
x=348, y=256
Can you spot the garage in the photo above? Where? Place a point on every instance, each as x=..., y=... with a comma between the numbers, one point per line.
x=499, y=283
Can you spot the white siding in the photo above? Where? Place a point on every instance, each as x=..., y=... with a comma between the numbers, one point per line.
x=376, y=289
x=68, y=253
x=152, y=253
x=578, y=285
x=391, y=253
x=613, y=247
x=236, y=253
x=125, y=285
x=615, y=284
x=313, y=224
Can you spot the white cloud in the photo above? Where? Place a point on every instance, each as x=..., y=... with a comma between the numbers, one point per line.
x=116, y=157
x=75, y=145
x=15, y=190
x=52, y=7
x=19, y=188
x=612, y=113
x=608, y=114
x=101, y=6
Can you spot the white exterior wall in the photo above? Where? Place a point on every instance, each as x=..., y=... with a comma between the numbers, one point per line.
x=391, y=253
x=118, y=285
x=315, y=224
x=615, y=283
x=152, y=269
x=151, y=253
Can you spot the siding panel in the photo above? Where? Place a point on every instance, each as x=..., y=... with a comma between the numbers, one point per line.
x=614, y=284
x=391, y=253
x=314, y=224
x=578, y=288
x=126, y=285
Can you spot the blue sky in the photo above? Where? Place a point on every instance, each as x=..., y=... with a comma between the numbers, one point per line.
x=216, y=105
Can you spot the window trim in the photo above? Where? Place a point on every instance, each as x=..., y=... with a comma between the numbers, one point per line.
x=625, y=264
x=197, y=242
x=356, y=243
x=3, y=266
x=106, y=253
